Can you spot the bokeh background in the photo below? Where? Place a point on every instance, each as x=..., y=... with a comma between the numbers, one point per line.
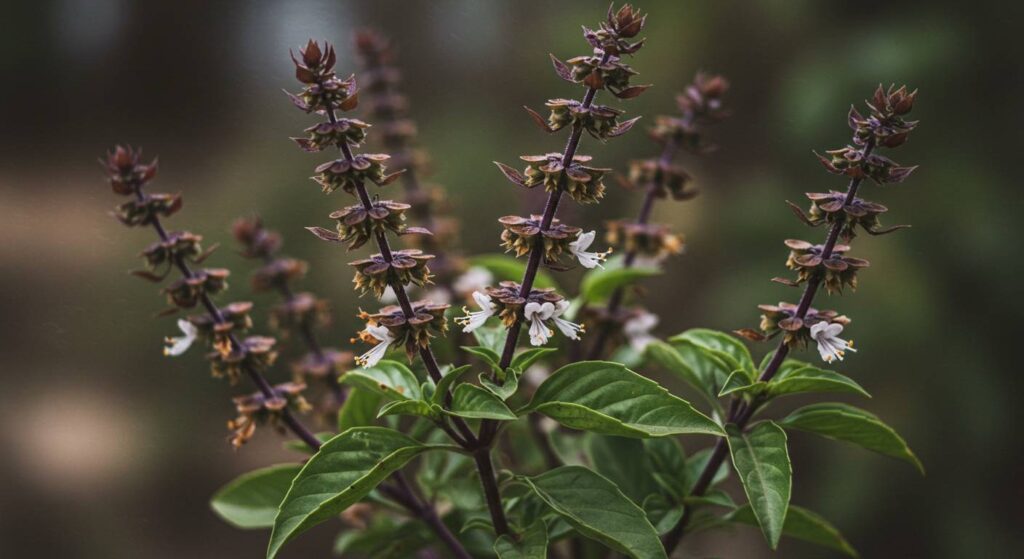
x=112, y=451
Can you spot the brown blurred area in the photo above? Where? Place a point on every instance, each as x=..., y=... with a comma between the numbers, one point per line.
x=112, y=450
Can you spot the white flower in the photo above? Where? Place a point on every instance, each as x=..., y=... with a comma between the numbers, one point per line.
x=638, y=330
x=537, y=313
x=570, y=330
x=438, y=295
x=474, y=320
x=388, y=297
x=830, y=345
x=376, y=353
x=177, y=346
x=587, y=259
x=475, y=279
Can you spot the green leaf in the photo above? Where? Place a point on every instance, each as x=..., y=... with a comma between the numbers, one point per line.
x=445, y=384
x=662, y=513
x=504, y=390
x=715, y=497
x=667, y=465
x=794, y=380
x=473, y=402
x=489, y=356
x=251, y=500
x=345, y=470
x=704, y=372
x=531, y=544
x=598, y=284
x=491, y=337
x=618, y=459
x=530, y=356
x=721, y=345
x=802, y=524
x=608, y=398
x=505, y=267
x=410, y=407
x=762, y=462
x=847, y=423
x=390, y=379
x=598, y=510
x=739, y=383
x=359, y=409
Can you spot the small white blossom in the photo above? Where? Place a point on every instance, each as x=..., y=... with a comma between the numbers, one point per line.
x=587, y=259
x=570, y=330
x=438, y=295
x=388, y=297
x=474, y=320
x=537, y=313
x=178, y=345
x=474, y=279
x=376, y=353
x=830, y=345
x=638, y=330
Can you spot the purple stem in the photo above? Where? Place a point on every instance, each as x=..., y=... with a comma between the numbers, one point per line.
x=740, y=413
x=309, y=337
x=258, y=379
x=615, y=301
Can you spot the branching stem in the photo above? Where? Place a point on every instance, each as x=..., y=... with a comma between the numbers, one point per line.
x=740, y=413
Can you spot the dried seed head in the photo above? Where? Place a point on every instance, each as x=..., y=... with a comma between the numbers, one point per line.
x=258, y=409
x=302, y=310
x=414, y=333
x=796, y=331
x=666, y=178
x=256, y=240
x=376, y=273
x=838, y=270
x=345, y=174
x=650, y=241
x=357, y=225
x=125, y=170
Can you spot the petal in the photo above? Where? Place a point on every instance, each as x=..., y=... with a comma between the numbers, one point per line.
x=832, y=330
x=585, y=240
x=538, y=333
x=380, y=333
x=817, y=327
x=483, y=301
x=187, y=327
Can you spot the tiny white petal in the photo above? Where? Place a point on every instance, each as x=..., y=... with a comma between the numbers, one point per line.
x=583, y=241
x=539, y=332
x=388, y=297
x=475, y=278
x=381, y=333
x=180, y=344
x=570, y=330
x=578, y=248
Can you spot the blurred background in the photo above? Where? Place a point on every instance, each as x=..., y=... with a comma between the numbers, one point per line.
x=113, y=451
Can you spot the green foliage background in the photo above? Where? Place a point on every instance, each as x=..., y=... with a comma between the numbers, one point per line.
x=116, y=450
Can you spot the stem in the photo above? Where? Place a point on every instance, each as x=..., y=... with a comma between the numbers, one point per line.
x=309, y=337
x=424, y=511
x=426, y=354
x=550, y=207
x=258, y=379
x=482, y=457
x=428, y=514
x=615, y=301
x=741, y=413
